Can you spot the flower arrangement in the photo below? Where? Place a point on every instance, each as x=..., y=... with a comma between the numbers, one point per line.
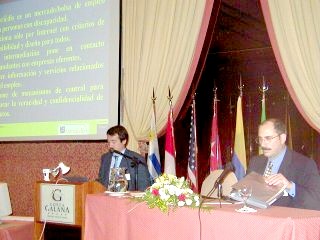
x=168, y=191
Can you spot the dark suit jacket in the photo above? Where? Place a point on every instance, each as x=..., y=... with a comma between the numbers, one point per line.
x=143, y=174
x=302, y=171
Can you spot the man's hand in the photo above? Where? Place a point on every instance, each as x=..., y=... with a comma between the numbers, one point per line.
x=276, y=179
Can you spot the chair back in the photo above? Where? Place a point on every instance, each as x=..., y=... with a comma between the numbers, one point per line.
x=209, y=181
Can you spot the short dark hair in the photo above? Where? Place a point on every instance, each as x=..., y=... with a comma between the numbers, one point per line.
x=278, y=125
x=120, y=130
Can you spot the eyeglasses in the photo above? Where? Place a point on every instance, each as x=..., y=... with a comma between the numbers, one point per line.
x=266, y=139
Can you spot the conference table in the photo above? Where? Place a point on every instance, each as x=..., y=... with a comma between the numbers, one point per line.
x=16, y=230
x=123, y=218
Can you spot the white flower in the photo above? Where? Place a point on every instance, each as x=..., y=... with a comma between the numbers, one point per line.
x=181, y=203
x=188, y=190
x=172, y=189
x=188, y=201
x=163, y=195
x=179, y=192
x=156, y=185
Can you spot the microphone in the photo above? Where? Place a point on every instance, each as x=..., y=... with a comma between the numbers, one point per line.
x=134, y=160
x=120, y=153
x=228, y=168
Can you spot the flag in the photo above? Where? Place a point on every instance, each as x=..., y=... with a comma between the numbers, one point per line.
x=193, y=150
x=154, y=164
x=170, y=151
x=215, y=155
x=239, y=153
x=263, y=109
x=263, y=115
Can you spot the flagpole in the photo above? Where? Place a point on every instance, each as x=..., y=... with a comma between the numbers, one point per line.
x=193, y=149
x=241, y=86
x=239, y=153
x=249, y=106
x=170, y=151
x=215, y=100
x=153, y=160
x=195, y=141
x=263, y=117
x=231, y=131
x=153, y=98
x=263, y=89
x=288, y=123
x=215, y=153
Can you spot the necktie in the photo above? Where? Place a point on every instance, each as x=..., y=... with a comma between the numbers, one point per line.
x=116, y=161
x=268, y=170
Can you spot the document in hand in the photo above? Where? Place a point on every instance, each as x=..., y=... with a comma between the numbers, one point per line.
x=263, y=195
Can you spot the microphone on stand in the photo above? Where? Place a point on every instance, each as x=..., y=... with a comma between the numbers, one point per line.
x=120, y=153
x=218, y=183
x=134, y=159
x=228, y=168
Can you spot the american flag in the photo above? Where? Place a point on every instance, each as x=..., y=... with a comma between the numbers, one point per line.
x=193, y=150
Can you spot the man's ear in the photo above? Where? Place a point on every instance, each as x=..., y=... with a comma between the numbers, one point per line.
x=283, y=138
x=124, y=142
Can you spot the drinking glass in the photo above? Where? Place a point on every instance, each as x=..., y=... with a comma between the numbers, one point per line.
x=245, y=192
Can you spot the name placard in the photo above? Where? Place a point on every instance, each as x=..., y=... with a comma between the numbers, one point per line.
x=57, y=203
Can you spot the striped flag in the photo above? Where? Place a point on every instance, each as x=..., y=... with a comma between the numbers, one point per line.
x=215, y=155
x=193, y=150
x=239, y=153
x=154, y=164
x=170, y=151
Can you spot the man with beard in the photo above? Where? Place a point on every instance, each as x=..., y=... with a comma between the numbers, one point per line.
x=281, y=165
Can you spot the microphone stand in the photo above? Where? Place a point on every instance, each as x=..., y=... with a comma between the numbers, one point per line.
x=219, y=193
x=217, y=185
x=135, y=163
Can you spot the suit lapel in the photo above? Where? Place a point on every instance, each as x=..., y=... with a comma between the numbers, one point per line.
x=286, y=163
x=108, y=163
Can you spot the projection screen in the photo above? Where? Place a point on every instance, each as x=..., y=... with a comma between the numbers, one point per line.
x=59, y=69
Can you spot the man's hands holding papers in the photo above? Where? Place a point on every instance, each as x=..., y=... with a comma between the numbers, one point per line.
x=277, y=179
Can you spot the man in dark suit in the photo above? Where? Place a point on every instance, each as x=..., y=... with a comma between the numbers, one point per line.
x=298, y=173
x=118, y=137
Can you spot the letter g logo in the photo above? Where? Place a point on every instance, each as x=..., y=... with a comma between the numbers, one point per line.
x=56, y=195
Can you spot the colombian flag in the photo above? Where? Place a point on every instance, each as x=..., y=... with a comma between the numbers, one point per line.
x=239, y=153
